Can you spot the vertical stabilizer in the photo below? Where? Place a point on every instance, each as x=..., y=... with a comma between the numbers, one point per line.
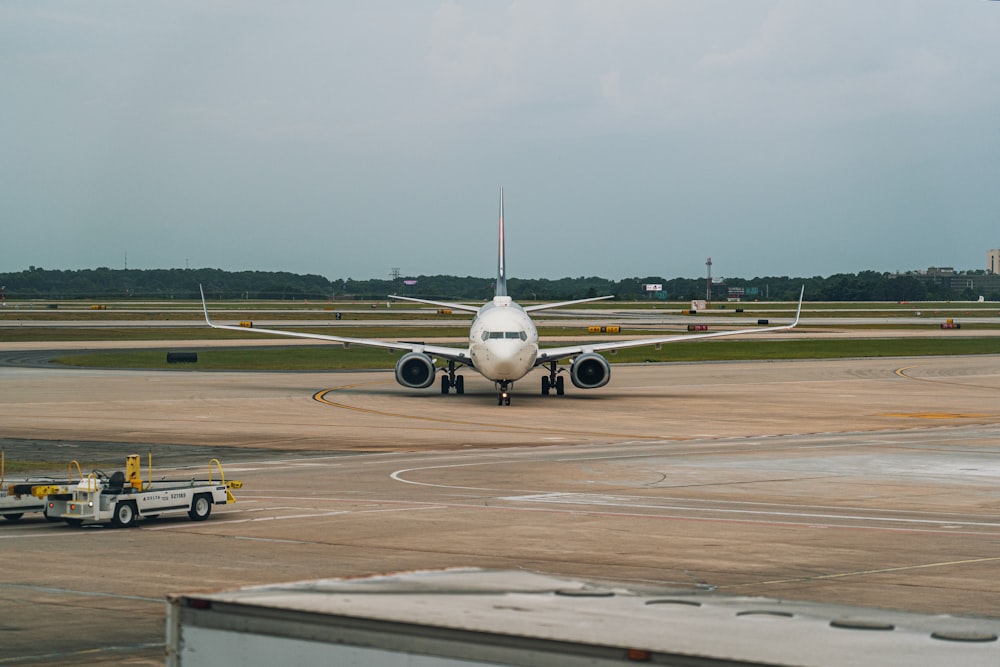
x=501, y=287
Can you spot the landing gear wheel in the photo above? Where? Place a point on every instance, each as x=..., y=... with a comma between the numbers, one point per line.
x=125, y=515
x=553, y=381
x=503, y=391
x=201, y=507
x=451, y=380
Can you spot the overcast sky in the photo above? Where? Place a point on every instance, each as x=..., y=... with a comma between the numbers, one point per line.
x=631, y=138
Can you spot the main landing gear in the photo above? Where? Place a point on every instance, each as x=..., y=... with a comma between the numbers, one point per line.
x=553, y=381
x=450, y=380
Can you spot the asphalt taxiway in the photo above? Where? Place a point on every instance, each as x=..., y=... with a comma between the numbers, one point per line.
x=862, y=481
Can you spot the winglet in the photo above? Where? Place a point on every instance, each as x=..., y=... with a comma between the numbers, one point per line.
x=204, y=305
x=799, y=309
x=501, y=287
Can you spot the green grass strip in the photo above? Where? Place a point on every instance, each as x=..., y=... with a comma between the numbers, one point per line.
x=337, y=358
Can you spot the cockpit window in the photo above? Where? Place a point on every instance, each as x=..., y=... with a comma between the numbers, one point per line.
x=510, y=335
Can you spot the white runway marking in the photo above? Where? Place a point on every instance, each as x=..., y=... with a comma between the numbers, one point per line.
x=653, y=504
x=398, y=475
x=313, y=515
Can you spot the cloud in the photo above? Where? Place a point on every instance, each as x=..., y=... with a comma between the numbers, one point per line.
x=678, y=129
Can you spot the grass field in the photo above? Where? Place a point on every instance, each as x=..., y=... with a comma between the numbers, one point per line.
x=337, y=358
x=33, y=322
x=362, y=310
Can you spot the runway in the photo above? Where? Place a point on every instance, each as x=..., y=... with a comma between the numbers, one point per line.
x=868, y=482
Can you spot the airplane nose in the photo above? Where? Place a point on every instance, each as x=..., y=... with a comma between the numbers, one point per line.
x=509, y=359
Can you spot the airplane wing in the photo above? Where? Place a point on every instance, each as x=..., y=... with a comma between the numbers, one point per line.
x=546, y=355
x=440, y=351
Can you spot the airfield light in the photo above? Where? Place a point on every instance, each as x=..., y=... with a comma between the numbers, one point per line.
x=638, y=655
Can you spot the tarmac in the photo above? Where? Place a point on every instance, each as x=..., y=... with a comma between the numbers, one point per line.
x=867, y=482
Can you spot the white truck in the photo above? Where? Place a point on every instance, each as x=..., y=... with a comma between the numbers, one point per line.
x=122, y=498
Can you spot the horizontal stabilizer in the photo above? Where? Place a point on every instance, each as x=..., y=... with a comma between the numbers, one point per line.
x=440, y=304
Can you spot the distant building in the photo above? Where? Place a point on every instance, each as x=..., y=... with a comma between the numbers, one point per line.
x=993, y=262
x=961, y=284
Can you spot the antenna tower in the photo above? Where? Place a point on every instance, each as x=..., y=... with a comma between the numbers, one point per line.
x=708, y=280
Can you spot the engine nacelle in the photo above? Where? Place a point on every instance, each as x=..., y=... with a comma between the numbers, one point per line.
x=590, y=371
x=415, y=370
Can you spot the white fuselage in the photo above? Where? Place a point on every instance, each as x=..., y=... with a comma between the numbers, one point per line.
x=503, y=341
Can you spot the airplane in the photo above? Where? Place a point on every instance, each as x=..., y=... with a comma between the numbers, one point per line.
x=503, y=344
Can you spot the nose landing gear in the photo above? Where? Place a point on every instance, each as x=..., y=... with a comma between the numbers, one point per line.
x=503, y=392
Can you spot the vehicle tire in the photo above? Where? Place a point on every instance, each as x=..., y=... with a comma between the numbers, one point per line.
x=13, y=517
x=74, y=523
x=126, y=514
x=201, y=507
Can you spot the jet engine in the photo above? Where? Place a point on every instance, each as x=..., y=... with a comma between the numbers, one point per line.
x=590, y=371
x=415, y=370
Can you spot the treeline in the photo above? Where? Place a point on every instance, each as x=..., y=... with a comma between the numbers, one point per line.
x=165, y=284
x=38, y=283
